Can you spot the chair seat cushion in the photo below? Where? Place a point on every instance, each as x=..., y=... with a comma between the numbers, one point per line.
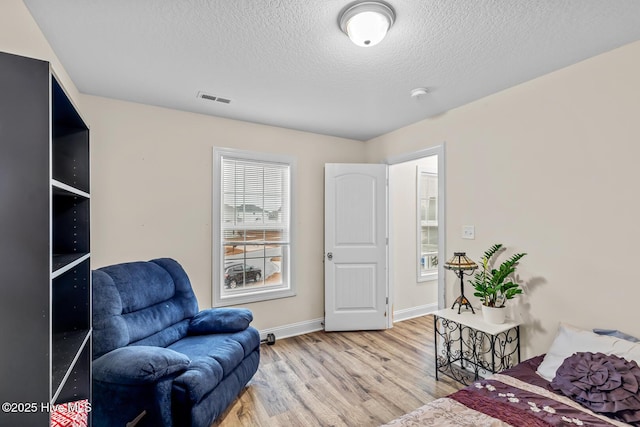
x=213, y=358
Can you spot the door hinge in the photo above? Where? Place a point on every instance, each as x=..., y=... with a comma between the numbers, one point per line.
x=387, y=301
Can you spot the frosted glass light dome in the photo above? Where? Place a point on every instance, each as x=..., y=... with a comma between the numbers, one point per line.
x=367, y=23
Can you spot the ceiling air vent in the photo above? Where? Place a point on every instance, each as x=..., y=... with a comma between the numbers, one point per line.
x=213, y=98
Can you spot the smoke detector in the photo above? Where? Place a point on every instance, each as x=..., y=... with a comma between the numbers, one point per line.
x=419, y=92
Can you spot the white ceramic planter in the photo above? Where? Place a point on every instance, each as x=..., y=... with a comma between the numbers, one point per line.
x=495, y=315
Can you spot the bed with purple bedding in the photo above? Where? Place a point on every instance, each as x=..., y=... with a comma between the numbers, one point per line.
x=520, y=396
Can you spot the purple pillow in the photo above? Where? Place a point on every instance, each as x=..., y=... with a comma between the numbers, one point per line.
x=606, y=384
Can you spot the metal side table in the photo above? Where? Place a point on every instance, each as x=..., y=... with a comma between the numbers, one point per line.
x=467, y=348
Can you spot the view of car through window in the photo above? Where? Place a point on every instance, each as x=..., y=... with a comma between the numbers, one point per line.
x=241, y=273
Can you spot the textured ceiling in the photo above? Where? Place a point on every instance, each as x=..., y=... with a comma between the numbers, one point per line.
x=286, y=63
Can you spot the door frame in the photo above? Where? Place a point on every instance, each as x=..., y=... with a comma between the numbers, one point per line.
x=438, y=150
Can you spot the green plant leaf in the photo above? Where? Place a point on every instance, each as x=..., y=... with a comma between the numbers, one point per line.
x=492, y=284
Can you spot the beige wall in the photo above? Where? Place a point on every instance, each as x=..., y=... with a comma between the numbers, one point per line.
x=151, y=181
x=152, y=184
x=549, y=167
x=20, y=35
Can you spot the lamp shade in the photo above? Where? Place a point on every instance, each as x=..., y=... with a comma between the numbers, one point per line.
x=460, y=261
x=366, y=23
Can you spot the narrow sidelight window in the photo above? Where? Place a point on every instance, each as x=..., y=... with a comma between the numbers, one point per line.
x=427, y=224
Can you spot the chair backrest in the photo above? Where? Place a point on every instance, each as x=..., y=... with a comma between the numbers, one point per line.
x=140, y=303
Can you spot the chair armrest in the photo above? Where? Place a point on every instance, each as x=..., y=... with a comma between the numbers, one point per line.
x=138, y=365
x=220, y=320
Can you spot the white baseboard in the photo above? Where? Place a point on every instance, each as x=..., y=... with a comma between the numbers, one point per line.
x=314, y=325
x=410, y=313
x=294, y=329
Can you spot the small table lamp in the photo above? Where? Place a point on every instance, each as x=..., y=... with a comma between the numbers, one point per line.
x=460, y=263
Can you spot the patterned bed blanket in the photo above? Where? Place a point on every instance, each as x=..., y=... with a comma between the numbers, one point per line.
x=516, y=397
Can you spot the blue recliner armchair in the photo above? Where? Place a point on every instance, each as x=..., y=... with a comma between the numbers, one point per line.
x=158, y=361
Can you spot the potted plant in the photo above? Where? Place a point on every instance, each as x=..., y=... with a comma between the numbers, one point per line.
x=494, y=286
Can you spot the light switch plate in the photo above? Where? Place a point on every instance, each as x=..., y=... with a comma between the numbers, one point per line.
x=468, y=232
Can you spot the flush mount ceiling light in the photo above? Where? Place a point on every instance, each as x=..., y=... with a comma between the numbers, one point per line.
x=366, y=23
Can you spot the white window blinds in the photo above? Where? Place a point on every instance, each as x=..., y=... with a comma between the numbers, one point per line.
x=255, y=202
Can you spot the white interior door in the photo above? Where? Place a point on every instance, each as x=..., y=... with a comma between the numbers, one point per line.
x=356, y=254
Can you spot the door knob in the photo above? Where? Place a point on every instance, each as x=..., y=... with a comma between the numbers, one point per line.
x=330, y=255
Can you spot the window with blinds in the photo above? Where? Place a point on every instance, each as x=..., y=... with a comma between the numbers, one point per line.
x=427, y=224
x=254, y=227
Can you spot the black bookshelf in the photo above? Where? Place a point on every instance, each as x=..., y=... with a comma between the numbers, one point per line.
x=45, y=293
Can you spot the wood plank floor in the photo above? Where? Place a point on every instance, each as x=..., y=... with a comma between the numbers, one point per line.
x=364, y=378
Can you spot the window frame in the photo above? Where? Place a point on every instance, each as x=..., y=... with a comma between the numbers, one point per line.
x=217, y=274
x=432, y=273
